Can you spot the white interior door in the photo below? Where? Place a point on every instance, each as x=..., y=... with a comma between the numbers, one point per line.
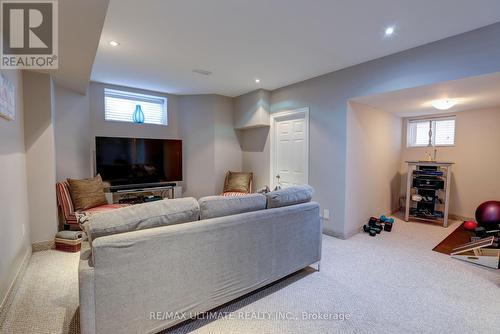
x=290, y=147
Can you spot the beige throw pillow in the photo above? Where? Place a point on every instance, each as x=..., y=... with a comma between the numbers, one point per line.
x=238, y=182
x=87, y=193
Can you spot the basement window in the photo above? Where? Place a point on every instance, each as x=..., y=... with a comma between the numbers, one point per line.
x=120, y=106
x=431, y=132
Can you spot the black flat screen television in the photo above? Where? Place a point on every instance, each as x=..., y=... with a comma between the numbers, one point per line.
x=123, y=161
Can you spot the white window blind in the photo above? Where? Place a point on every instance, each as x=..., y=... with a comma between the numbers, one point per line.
x=444, y=132
x=120, y=106
x=420, y=133
x=437, y=131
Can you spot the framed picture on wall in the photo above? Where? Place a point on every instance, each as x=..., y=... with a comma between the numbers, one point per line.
x=7, y=99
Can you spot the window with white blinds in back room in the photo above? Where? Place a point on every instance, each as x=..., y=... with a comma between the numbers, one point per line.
x=120, y=106
x=444, y=132
x=420, y=133
x=436, y=131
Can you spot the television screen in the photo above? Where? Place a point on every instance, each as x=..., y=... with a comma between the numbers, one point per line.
x=122, y=161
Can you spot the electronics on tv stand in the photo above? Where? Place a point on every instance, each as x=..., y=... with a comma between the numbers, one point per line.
x=140, y=186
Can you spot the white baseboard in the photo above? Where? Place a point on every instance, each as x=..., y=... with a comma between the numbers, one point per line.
x=11, y=291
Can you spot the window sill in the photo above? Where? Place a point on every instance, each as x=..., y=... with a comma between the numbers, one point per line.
x=437, y=146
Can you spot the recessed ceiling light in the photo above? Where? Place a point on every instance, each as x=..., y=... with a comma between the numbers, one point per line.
x=114, y=43
x=389, y=31
x=257, y=80
x=444, y=104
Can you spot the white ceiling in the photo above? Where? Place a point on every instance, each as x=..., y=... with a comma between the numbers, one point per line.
x=471, y=93
x=279, y=41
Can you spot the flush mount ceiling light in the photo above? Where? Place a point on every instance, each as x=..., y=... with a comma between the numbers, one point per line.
x=114, y=43
x=444, y=104
x=257, y=80
x=389, y=31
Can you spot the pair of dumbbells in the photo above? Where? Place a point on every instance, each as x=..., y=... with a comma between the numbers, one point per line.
x=373, y=227
x=387, y=222
x=372, y=231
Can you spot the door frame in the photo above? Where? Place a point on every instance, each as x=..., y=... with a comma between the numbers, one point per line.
x=275, y=117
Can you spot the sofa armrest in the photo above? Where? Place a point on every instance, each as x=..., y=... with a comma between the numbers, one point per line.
x=87, y=294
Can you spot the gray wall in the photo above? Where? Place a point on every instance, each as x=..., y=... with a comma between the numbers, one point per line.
x=210, y=143
x=255, y=155
x=469, y=54
x=252, y=110
x=197, y=132
x=373, y=160
x=40, y=155
x=227, y=149
x=71, y=130
x=15, y=243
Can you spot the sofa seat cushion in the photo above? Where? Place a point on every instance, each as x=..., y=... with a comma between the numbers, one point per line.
x=82, y=216
x=289, y=196
x=106, y=207
x=142, y=216
x=220, y=206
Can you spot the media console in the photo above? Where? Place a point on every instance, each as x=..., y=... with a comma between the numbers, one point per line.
x=141, y=193
x=128, y=187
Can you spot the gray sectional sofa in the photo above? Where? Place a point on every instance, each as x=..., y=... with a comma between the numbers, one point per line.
x=154, y=265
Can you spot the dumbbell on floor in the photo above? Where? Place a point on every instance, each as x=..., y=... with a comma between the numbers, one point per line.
x=372, y=231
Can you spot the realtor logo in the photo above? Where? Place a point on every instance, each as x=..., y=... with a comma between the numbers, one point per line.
x=29, y=34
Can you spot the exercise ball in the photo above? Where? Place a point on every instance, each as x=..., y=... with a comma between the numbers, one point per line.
x=488, y=215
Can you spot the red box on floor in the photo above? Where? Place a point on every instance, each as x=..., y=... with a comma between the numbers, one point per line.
x=66, y=245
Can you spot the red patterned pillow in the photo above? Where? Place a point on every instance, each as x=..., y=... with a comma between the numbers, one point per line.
x=233, y=193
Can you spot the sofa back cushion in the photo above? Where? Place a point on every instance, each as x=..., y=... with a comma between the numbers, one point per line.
x=142, y=216
x=219, y=206
x=289, y=196
x=87, y=193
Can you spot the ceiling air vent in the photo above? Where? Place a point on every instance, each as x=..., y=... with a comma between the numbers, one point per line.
x=202, y=72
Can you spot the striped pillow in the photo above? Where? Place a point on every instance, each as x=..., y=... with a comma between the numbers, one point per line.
x=234, y=193
x=64, y=200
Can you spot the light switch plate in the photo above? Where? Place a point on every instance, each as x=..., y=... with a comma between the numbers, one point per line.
x=326, y=214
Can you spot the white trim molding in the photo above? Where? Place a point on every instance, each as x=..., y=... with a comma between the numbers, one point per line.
x=6, y=301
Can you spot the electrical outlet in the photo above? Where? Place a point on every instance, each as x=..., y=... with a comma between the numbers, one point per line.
x=326, y=214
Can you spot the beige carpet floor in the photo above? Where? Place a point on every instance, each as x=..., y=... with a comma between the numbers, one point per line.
x=392, y=283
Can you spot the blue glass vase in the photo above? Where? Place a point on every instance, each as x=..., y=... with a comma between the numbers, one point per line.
x=138, y=116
